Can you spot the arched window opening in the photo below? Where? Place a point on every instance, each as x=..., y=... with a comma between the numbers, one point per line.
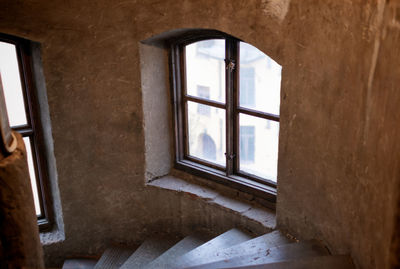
x=227, y=97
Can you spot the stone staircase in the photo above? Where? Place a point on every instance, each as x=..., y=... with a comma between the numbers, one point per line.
x=232, y=249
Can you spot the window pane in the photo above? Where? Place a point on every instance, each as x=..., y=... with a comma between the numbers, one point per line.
x=260, y=80
x=12, y=84
x=259, y=146
x=205, y=68
x=32, y=175
x=206, y=133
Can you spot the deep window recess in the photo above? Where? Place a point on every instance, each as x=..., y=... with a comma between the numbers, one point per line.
x=226, y=107
x=23, y=113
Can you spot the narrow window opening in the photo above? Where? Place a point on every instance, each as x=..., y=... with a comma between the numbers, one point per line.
x=24, y=117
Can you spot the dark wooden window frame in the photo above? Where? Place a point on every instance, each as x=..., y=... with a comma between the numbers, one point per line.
x=33, y=129
x=229, y=175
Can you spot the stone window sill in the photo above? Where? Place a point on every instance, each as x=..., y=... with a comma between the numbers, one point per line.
x=218, y=197
x=51, y=237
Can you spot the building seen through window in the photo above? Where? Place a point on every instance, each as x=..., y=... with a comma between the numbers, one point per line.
x=247, y=87
x=247, y=144
x=203, y=92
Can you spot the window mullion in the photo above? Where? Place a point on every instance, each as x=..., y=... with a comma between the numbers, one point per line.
x=230, y=62
x=235, y=119
x=183, y=102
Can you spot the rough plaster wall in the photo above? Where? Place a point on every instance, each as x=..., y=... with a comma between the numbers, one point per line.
x=90, y=55
x=339, y=138
x=91, y=62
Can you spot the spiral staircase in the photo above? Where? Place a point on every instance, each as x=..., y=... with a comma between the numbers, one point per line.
x=232, y=249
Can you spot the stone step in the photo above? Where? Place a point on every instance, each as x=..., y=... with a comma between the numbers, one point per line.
x=272, y=255
x=254, y=246
x=113, y=258
x=79, y=264
x=225, y=240
x=325, y=262
x=148, y=251
x=182, y=247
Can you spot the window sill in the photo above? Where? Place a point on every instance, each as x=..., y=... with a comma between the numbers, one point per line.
x=51, y=237
x=250, y=210
x=264, y=193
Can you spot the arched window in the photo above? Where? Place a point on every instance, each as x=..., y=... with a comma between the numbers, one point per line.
x=229, y=90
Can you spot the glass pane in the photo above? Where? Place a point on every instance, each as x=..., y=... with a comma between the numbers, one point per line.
x=205, y=69
x=9, y=71
x=32, y=175
x=260, y=80
x=206, y=130
x=259, y=146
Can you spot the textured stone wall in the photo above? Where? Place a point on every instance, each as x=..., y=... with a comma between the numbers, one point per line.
x=340, y=128
x=338, y=156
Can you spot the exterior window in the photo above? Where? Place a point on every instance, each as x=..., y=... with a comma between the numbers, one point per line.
x=23, y=113
x=229, y=129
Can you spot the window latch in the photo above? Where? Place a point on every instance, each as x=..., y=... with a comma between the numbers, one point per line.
x=230, y=64
x=230, y=156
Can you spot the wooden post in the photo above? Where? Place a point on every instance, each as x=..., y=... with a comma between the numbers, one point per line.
x=8, y=142
x=20, y=245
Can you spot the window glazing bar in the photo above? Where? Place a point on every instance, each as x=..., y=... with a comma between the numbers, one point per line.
x=204, y=101
x=259, y=114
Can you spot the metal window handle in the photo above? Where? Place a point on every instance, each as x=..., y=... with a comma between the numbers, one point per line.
x=230, y=156
x=230, y=65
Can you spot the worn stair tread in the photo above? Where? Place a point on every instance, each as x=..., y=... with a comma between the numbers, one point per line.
x=325, y=262
x=256, y=245
x=272, y=255
x=182, y=247
x=113, y=258
x=79, y=264
x=225, y=240
x=148, y=251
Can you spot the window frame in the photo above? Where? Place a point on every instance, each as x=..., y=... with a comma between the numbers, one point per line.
x=230, y=175
x=34, y=128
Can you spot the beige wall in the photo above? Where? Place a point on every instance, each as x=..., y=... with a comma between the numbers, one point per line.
x=339, y=137
x=339, y=159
